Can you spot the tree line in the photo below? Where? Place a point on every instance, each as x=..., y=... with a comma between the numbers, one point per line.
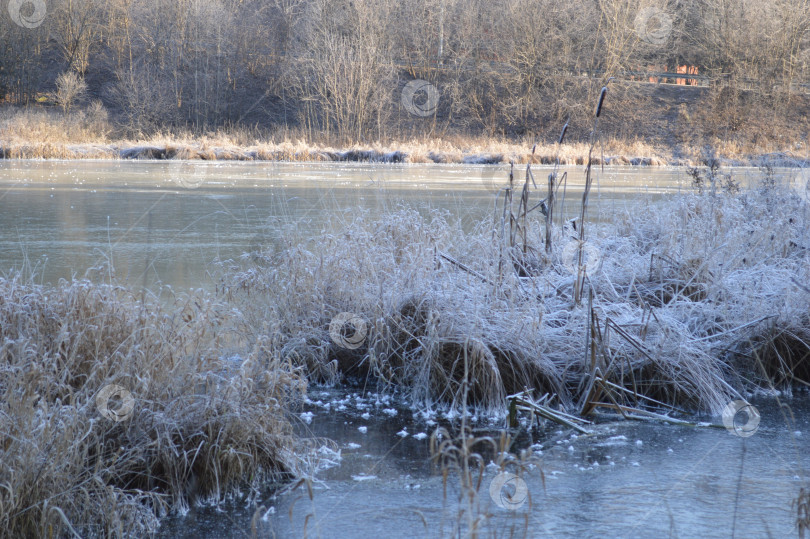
x=336, y=68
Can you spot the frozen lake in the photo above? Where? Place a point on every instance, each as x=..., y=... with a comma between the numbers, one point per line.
x=164, y=223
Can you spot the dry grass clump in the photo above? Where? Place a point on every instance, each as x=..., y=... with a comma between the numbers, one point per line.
x=29, y=126
x=199, y=425
x=734, y=264
x=671, y=312
x=740, y=123
x=782, y=354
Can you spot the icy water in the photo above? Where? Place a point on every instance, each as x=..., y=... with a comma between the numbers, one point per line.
x=624, y=479
x=161, y=222
x=166, y=223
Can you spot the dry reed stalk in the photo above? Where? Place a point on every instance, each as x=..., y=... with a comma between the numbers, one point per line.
x=553, y=186
x=581, y=270
x=802, y=505
x=525, y=402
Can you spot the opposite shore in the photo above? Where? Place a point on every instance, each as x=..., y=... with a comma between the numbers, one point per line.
x=480, y=152
x=40, y=133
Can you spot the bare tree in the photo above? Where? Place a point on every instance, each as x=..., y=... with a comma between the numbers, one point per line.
x=145, y=99
x=348, y=71
x=70, y=88
x=75, y=28
x=336, y=67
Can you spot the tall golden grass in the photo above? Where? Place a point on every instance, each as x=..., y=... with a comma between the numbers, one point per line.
x=88, y=134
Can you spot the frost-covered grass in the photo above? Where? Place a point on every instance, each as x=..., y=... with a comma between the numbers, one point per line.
x=196, y=428
x=694, y=301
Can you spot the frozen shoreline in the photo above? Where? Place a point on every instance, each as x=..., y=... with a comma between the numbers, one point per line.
x=499, y=153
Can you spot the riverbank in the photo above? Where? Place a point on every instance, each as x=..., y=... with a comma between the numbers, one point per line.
x=430, y=151
x=46, y=134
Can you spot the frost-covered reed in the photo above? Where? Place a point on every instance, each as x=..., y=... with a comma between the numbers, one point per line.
x=689, y=302
x=197, y=426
